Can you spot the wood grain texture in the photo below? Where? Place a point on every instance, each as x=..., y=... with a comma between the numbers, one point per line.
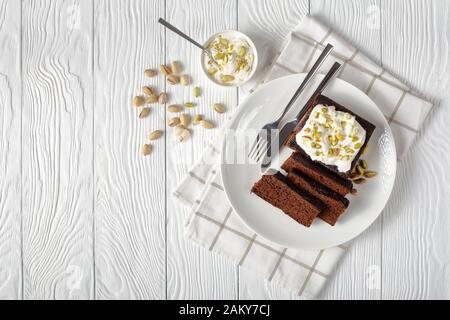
x=356, y=21
x=415, y=224
x=10, y=151
x=193, y=272
x=57, y=149
x=98, y=220
x=267, y=23
x=129, y=188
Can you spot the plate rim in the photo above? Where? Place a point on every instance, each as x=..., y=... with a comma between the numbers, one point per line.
x=232, y=123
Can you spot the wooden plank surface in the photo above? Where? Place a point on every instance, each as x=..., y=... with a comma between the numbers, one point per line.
x=57, y=149
x=193, y=272
x=129, y=188
x=10, y=151
x=98, y=220
x=416, y=222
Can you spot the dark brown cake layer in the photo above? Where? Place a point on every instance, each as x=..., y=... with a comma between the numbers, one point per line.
x=319, y=173
x=336, y=204
x=368, y=127
x=282, y=193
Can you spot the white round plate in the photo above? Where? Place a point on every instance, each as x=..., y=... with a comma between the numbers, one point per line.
x=263, y=106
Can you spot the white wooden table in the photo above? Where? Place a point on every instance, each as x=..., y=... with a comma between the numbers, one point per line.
x=84, y=216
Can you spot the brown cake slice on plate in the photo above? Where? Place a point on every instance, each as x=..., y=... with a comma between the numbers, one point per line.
x=282, y=193
x=336, y=204
x=319, y=173
x=329, y=132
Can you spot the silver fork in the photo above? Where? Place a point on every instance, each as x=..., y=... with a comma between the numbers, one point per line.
x=283, y=134
x=263, y=139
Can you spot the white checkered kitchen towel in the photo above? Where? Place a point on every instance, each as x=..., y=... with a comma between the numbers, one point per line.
x=212, y=222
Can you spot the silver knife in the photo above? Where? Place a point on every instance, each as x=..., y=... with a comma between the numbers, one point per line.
x=287, y=129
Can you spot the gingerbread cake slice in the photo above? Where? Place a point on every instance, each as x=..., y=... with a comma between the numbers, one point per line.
x=331, y=135
x=336, y=204
x=282, y=193
x=321, y=174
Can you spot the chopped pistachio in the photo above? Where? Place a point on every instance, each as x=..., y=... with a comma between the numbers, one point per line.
x=190, y=105
x=196, y=120
x=226, y=77
x=196, y=92
x=212, y=71
x=370, y=174
x=242, y=51
x=359, y=169
x=359, y=181
x=348, y=149
x=363, y=163
x=340, y=136
x=366, y=149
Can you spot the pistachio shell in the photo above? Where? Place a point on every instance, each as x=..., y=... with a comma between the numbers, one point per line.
x=176, y=66
x=147, y=90
x=174, y=108
x=146, y=149
x=174, y=122
x=178, y=128
x=185, y=119
x=173, y=79
x=185, y=80
x=153, y=98
x=144, y=113
x=219, y=108
x=206, y=124
x=155, y=135
x=162, y=98
x=165, y=70
x=185, y=133
x=138, y=101
x=150, y=73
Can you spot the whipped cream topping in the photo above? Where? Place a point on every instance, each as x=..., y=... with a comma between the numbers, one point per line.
x=234, y=56
x=331, y=137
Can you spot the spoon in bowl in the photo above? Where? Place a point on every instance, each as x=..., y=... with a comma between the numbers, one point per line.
x=185, y=36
